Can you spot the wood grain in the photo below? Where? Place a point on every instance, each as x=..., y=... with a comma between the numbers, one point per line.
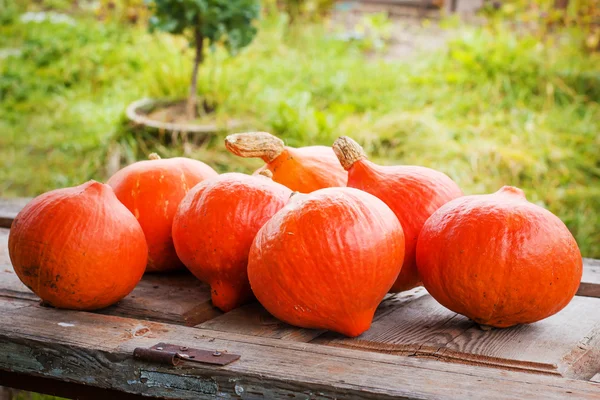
x=565, y=344
x=177, y=298
x=10, y=285
x=584, y=360
x=553, y=344
x=590, y=282
x=97, y=350
x=254, y=320
x=420, y=327
x=415, y=327
x=9, y=208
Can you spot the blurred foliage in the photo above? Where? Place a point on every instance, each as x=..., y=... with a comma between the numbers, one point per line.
x=129, y=11
x=9, y=11
x=542, y=17
x=493, y=108
x=373, y=31
x=306, y=9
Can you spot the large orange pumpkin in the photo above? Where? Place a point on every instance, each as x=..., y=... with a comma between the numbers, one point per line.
x=152, y=190
x=499, y=259
x=78, y=248
x=412, y=192
x=303, y=169
x=214, y=228
x=327, y=259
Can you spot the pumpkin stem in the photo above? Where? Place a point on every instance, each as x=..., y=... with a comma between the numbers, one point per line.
x=348, y=151
x=153, y=156
x=266, y=172
x=512, y=191
x=255, y=144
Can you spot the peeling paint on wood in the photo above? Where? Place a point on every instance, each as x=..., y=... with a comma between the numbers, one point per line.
x=172, y=381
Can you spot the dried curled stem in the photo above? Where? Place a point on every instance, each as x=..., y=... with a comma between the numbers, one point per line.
x=255, y=144
x=348, y=151
x=153, y=156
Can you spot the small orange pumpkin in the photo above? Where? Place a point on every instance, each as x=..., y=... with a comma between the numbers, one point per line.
x=499, y=259
x=78, y=248
x=214, y=228
x=412, y=192
x=327, y=259
x=303, y=169
x=152, y=190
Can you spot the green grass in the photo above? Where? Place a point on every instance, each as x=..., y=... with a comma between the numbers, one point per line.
x=491, y=109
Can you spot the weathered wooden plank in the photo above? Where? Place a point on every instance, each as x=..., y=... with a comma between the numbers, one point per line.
x=9, y=208
x=590, y=282
x=53, y=387
x=10, y=285
x=177, y=298
x=564, y=344
x=96, y=350
x=254, y=320
x=583, y=361
x=555, y=343
x=418, y=328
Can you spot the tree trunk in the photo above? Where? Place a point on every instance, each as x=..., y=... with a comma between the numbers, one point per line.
x=192, y=103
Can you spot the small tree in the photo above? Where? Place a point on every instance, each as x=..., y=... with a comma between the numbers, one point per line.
x=229, y=22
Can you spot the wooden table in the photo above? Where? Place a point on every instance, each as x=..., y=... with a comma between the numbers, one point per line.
x=415, y=348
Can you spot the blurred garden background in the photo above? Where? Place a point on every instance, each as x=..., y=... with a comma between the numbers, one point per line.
x=506, y=95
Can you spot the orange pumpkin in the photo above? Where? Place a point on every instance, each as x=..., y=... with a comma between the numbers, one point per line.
x=214, y=228
x=327, y=259
x=499, y=259
x=303, y=169
x=412, y=192
x=78, y=248
x=152, y=190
